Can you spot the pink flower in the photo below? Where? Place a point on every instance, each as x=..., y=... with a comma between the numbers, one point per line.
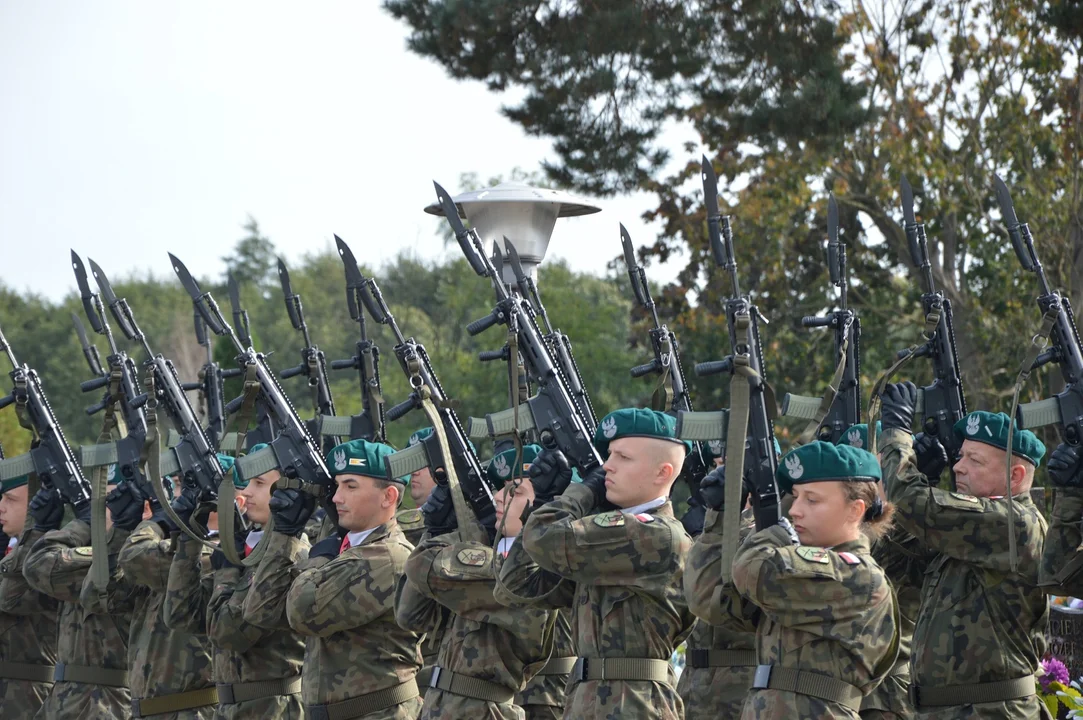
x=1052, y=670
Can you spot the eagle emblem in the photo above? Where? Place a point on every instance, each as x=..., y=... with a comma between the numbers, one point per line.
x=340, y=460
x=609, y=428
x=500, y=464
x=716, y=446
x=794, y=467
x=854, y=438
x=972, y=423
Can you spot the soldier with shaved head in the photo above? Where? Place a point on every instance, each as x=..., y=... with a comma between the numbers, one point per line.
x=611, y=549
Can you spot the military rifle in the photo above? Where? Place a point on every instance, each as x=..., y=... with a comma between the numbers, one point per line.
x=292, y=450
x=210, y=387
x=415, y=363
x=265, y=429
x=123, y=375
x=555, y=415
x=941, y=404
x=369, y=425
x=196, y=461
x=743, y=318
x=90, y=350
x=51, y=457
x=666, y=362
x=843, y=397
x=313, y=363
x=1066, y=407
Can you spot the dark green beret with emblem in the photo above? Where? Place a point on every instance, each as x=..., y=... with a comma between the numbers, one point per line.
x=419, y=436
x=858, y=435
x=229, y=465
x=714, y=449
x=636, y=422
x=821, y=461
x=992, y=429
x=359, y=457
x=12, y=483
x=506, y=465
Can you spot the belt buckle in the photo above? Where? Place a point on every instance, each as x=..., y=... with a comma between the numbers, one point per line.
x=434, y=679
x=317, y=712
x=579, y=670
x=136, y=713
x=225, y=694
x=762, y=679
x=58, y=672
x=912, y=694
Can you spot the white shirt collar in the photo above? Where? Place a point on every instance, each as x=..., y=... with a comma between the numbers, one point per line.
x=254, y=536
x=356, y=538
x=12, y=542
x=504, y=546
x=644, y=507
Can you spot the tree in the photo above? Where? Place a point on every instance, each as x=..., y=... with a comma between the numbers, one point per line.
x=253, y=258
x=795, y=100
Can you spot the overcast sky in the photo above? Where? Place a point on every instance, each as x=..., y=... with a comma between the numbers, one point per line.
x=133, y=128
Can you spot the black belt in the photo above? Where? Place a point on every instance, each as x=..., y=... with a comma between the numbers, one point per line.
x=807, y=682
x=973, y=693
x=89, y=675
x=230, y=693
x=364, y=704
x=704, y=658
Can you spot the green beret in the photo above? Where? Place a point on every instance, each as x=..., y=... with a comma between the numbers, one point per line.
x=635, y=422
x=714, y=449
x=858, y=435
x=229, y=465
x=503, y=466
x=992, y=429
x=359, y=457
x=13, y=483
x=419, y=435
x=819, y=461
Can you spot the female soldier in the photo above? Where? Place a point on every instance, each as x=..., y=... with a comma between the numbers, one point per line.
x=827, y=634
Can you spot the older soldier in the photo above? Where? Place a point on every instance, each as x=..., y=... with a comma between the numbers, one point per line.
x=619, y=570
x=91, y=678
x=358, y=662
x=543, y=696
x=488, y=650
x=257, y=670
x=169, y=670
x=27, y=617
x=980, y=630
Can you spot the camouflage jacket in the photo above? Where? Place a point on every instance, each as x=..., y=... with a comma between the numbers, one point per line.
x=715, y=692
x=621, y=576
x=27, y=630
x=162, y=661
x=829, y=611
x=547, y=691
x=979, y=622
x=243, y=652
x=904, y=560
x=345, y=607
x=484, y=639
x=412, y=525
x=1062, y=544
x=89, y=634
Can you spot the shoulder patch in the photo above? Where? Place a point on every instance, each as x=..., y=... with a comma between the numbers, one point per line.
x=965, y=498
x=644, y=517
x=84, y=551
x=474, y=557
x=849, y=558
x=409, y=517
x=813, y=554
x=613, y=518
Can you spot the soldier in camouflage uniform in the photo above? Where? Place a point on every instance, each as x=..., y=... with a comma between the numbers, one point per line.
x=827, y=632
x=27, y=617
x=980, y=630
x=619, y=571
x=358, y=661
x=488, y=650
x=169, y=670
x=92, y=648
x=543, y=696
x=257, y=670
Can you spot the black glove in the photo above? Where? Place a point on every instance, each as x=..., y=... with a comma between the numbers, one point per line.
x=183, y=505
x=550, y=474
x=439, y=512
x=125, y=504
x=712, y=488
x=595, y=480
x=82, y=511
x=897, y=405
x=931, y=456
x=47, y=509
x=694, y=517
x=1064, y=466
x=328, y=547
x=218, y=558
x=291, y=510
